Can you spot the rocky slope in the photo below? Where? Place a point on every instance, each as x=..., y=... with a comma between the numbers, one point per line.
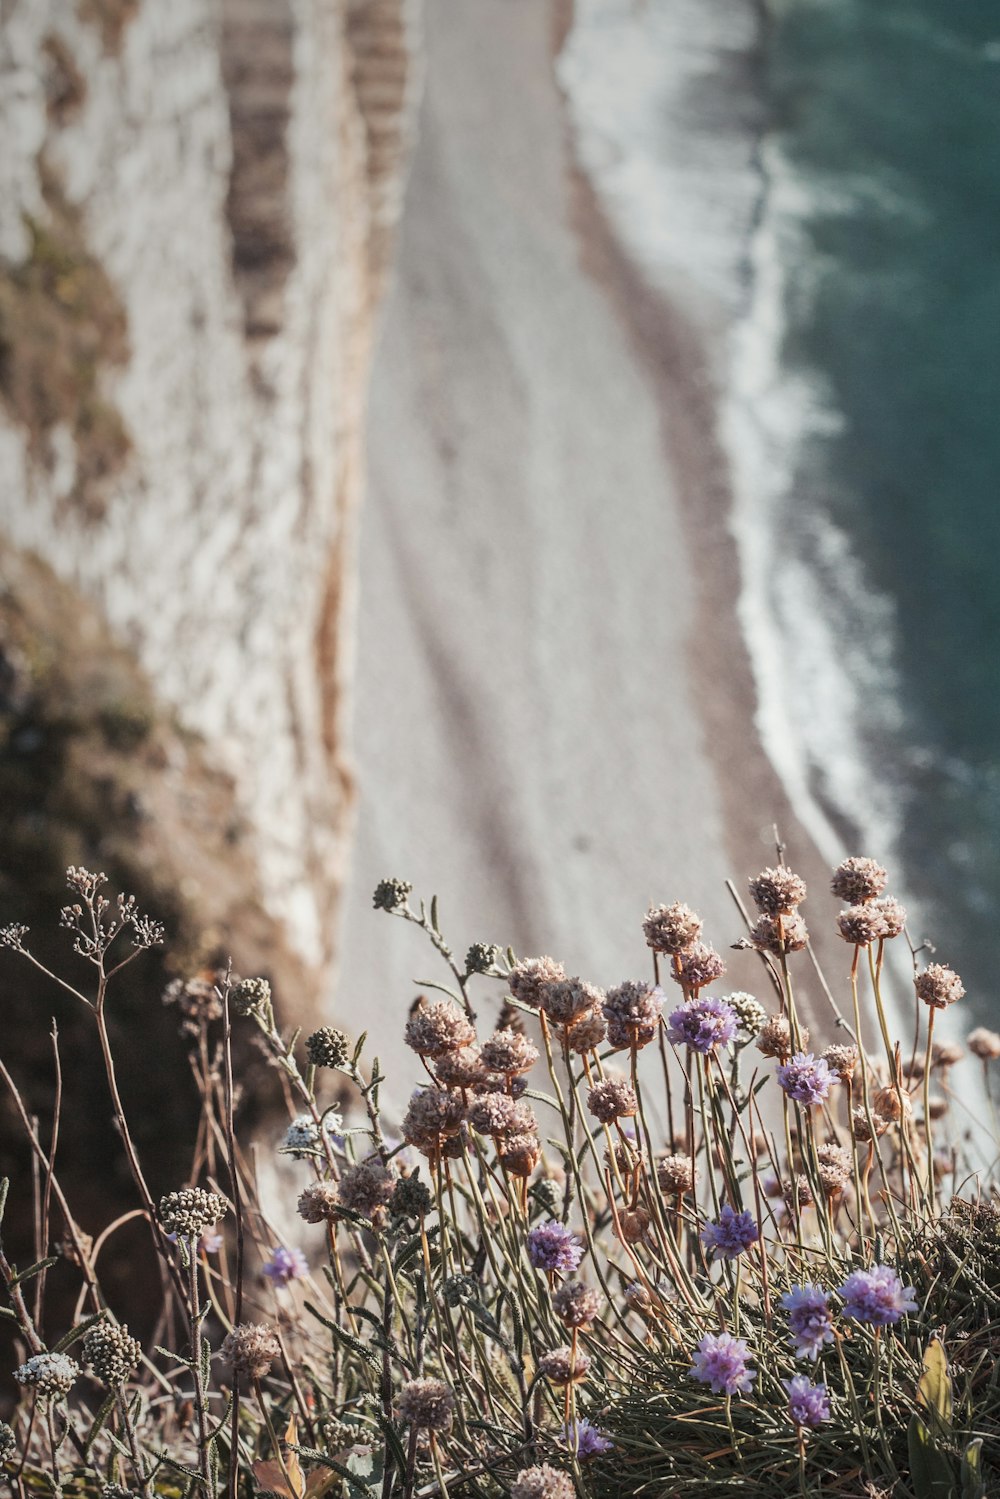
x=196, y=204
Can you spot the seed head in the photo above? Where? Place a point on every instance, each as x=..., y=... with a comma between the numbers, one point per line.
x=750, y=1013
x=862, y=1129
x=498, y=1114
x=458, y=1289
x=509, y=1052
x=426, y=1403
x=633, y=1224
x=612, y=1098
x=857, y=880
x=250, y=1349
x=432, y=1114
x=542, y=1482
x=575, y=1304
x=671, y=929
x=565, y=1000
x=366, y=1187
x=776, y=892
x=436, y=1028
x=984, y=1044
x=391, y=894
x=946, y=1054
x=319, y=1202
x=8, y=1442
x=562, y=1367
x=778, y=934
x=117, y=1491
x=834, y=1168
x=519, y=1154
x=892, y=1103
x=250, y=997
x=460, y=1069
x=51, y=1374
x=302, y=1137
x=893, y=915
x=675, y=1175
x=197, y=999
x=327, y=1047
x=775, y=1039
x=481, y=957
x=632, y=1011
x=111, y=1353
x=189, y=1212
x=587, y=1033
x=842, y=1060
x=527, y=980
x=698, y=966
x=939, y=987
x=411, y=1198
x=861, y=925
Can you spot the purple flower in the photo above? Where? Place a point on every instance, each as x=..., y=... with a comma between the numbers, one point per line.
x=877, y=1296
x=721, y=1362
x=584, y=1440
x=702, y=1024
x=806, y=1078
x=551, y=1246
x=808, y=1404
x=285, y=1265
x=733, y=1233
x=809, y=1322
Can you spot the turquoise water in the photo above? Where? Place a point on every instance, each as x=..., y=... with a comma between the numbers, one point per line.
x=890, y=109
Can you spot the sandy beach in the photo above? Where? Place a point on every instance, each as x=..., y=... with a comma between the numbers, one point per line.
x=554, y=706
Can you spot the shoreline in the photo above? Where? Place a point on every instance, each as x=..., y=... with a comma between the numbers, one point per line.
x=676, y=357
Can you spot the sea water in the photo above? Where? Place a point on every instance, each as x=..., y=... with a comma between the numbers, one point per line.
x=821, y=180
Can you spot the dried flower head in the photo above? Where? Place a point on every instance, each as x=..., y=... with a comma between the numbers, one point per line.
x=939, y=986
x=189, y=1212
x=675, y=1175
x=8, y=1442
x=366, y=1187
x=778, y=934
x=391, y=894
x=562, y=1366
x=250, y=997
x=862, y=1128
x=431, y=1116
x=984, y=1044
x=426, y=1403
x=250, y=1349
x=892, y=1103
x=460, y=1069
x=835, y=1168
x=327, y=1047
x=519, y=1154
x=842, y=1060
x=52, y=1375
x=861, y=925
x=671, y=929
x=946, y=1054
x=542, y=1482
x=510, y=1052
x=197, y=999
x=612, y=1098
x=527, y=980
x=575, y=1304
x=893, y=915
x=632, y=1011
x=302, y=1137
x=498, y=1114
x=857, y=880
x=698, y=966
x=777, y=892
x=587, y=1033
x=437, y=1027
x=633, y=1224
x=750, y=1013
x=563, y=1001
x=775, y=1039
x=482, y=957
x=111, y=1353
x=319, y=1202
x=411, y=1198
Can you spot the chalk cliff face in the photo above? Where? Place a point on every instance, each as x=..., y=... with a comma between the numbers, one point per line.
x=196, y=207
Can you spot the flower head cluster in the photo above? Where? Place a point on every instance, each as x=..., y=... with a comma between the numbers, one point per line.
x=612, y=1098
x=391, y=894
x=327, y=1047
x=192, y=1210
x=527, y=980
x=286, y=1265
x=111, y=1352
x=776, y=892
x=481, y=957
x=565, y=1000
x=431, y=1116
x=509, y=1052
x=808, y=1403
x=810, y=1324
x=731, y=1235
x=720, y=1361
x=698, y=966
x=779, y=934
x=542, y=1482
x=584, y=1440
x=302, y=1137
x=675, y=1175
x=554, y=1248
x=806, y=1079
x=564, y=1366
x=8, y=1442
x=862, y=925
x=876, y=1296
x=750, y=1013
x=435, y=1028
x=575, y=1304
x=588, y=1032
x=984, y=1044
x=366, y=1187
x=250, y=1349
x=426, y=1403
x=671, y=929
x=250, y=997
x=51, y=1374
x=319, y=1202
x=842, y=1060
x=857, y=880
x=703, y=1024
x=632, y=1011
x=939, y=987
